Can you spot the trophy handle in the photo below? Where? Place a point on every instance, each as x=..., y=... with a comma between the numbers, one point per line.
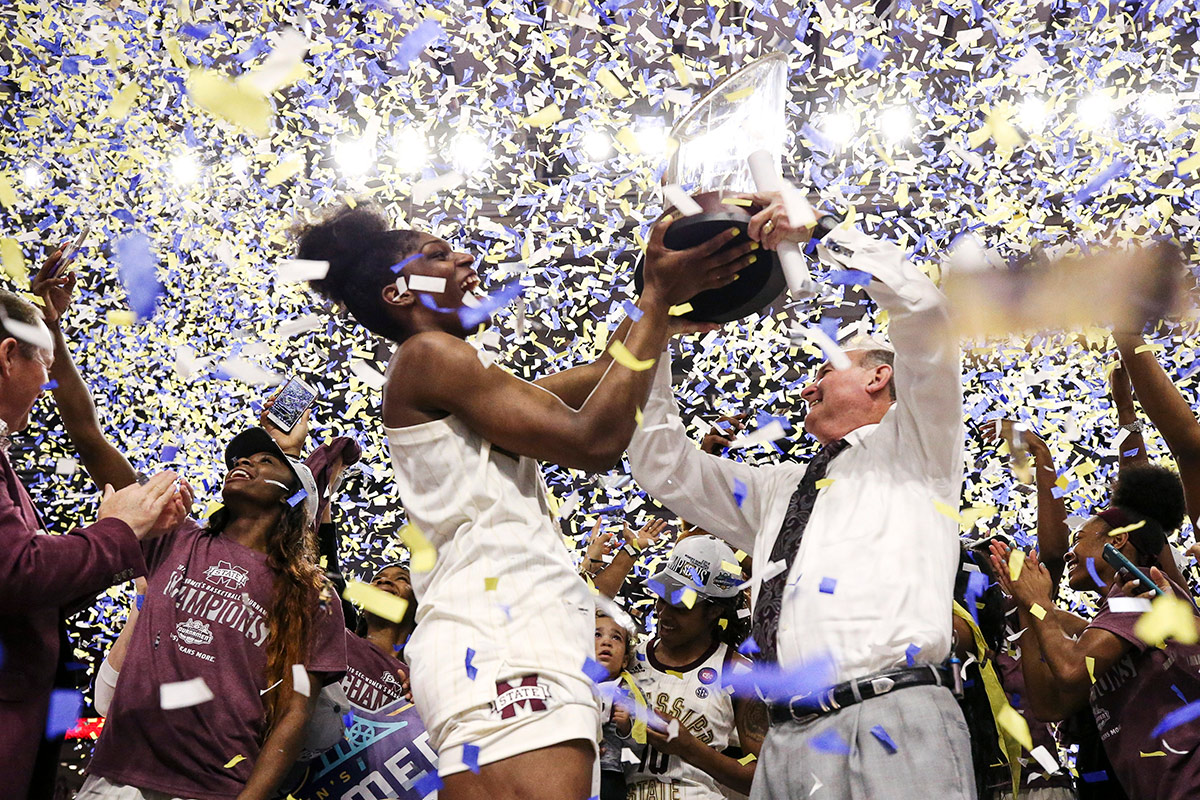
x=795, y=271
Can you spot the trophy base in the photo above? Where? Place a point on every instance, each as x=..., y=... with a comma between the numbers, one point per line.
x=757, y=286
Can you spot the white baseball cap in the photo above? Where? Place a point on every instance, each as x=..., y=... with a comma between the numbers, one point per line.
x=704, y=564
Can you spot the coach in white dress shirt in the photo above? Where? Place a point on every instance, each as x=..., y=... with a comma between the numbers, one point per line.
x=876, y=538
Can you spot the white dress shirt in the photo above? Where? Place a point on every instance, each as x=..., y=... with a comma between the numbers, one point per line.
x=875, y=529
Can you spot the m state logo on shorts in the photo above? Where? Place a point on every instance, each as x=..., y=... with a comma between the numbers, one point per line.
x=227, y=574
x=194, y=632
x=529, y=693
x=707, y=676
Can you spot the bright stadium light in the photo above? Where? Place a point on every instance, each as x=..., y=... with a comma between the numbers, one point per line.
x=1032, y=114
x=354, y=156
x=33, y=176
x=409, y=150
x=185, y=169
x=896, y=123
x=1158, y=105
x=596, y=145
x=469, y=152
x=839, y=127
x=1095, y=111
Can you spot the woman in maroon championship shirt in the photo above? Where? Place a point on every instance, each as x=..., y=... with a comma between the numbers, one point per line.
x=1132, y=685
x=240, y=605
x=42, y=577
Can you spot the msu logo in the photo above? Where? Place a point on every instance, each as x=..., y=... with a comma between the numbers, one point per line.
x=226, y=574
x=528, y=693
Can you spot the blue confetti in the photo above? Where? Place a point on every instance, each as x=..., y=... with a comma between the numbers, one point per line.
x=402, y=264
x=1091, y=568
x=472, y=671
x=428, y=783
x=415, y=43
x=65, y=705
x=470, y=757
x=829, y=741
x=297, y=498
x=882, y=735
x=739, y=492
x=1119, y=168
x=136, y=270
x=595, y=670
x=828, y=585
x=911, y=653
x=50, y=385
x=1180, y=716
x=1098, y=776
x=632, y=310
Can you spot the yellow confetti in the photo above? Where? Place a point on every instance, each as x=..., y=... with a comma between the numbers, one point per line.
x=490, y=584
x=682, y=71
x=284, y=169
x=947, y=510
x=1037, y=611
x=746, y=759
x=679, y=310
x=688, y=597
x=611, y=83
x=121, y=318
x=1090, y=663
x=123, y=102
x=675, y=673
x=622, y=356
x=544, y=117
x=12, y=258
x=424, y=554
x=234, y=101
x=1016, y=563
x=8, y=196
x=901, y=196
x=628, y=139
x=1126, y=528
x=1189, y=166
x=740, y=94
x=235, y=761
x=821, y=484
x=737, y=201
x=1011, y=721
x=376, y=600
x=1155, y=754
x=637, y=417
x=1168, y=618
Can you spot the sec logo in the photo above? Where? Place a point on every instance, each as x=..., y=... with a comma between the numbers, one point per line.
x=707, y=675
x=701, y=692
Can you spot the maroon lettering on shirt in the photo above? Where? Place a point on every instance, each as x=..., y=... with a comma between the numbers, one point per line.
x=373, y=678
x=1130, y=699
x=205, y=615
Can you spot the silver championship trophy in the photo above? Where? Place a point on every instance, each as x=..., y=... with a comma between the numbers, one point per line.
x=732, y=143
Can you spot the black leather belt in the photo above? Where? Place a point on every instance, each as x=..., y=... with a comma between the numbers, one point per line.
x=807, y=707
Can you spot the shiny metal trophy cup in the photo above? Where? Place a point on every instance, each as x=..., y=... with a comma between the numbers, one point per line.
x=732, y=142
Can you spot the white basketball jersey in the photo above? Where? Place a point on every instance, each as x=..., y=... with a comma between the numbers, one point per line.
x=503, y=599
x=704, y=707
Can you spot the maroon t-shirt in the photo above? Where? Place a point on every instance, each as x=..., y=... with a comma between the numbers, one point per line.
x=373, y=678
x=1012, y=679
x=1132, y=697
x=205, y=615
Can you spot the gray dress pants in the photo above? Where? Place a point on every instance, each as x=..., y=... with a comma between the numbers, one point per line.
x=930, y=760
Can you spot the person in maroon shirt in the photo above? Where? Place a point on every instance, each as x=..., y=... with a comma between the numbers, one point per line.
x=42, y=578
x=240, y=604
x=1130, y=684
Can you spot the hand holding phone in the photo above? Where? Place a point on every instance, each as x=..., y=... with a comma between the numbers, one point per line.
x=1119, y=562
x=289, y=405
x=70, y=252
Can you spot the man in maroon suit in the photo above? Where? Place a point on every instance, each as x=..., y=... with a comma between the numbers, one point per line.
x=41, y=576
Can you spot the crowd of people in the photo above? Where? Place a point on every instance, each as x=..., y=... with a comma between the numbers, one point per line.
x=819, y=629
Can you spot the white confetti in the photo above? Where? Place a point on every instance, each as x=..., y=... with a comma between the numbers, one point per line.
x=298, y=270
x=682, y=201
x=427, y=283
x=768, y=433
x=367, y=374
x=300, y=680
x=183, y=694
x=1128, y=605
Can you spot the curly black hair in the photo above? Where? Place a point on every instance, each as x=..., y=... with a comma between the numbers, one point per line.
x=361, y=248
x=1151, y=491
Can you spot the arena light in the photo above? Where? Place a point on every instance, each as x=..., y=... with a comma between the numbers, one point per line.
x=896, y=123
x=1032, y=114
x=33, y=176
x=469, y=152
x=839, y=127
x=409, y=150
x=596, y=146
x=354, y=157
x=185, y=169
x=1095, y=111
x=652, y=137
x=1158, y=105
x=239, y=165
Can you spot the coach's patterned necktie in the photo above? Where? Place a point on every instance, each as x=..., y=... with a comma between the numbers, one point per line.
x=787, y=544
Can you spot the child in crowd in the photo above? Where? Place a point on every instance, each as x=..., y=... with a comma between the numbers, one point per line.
x=614, y=652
